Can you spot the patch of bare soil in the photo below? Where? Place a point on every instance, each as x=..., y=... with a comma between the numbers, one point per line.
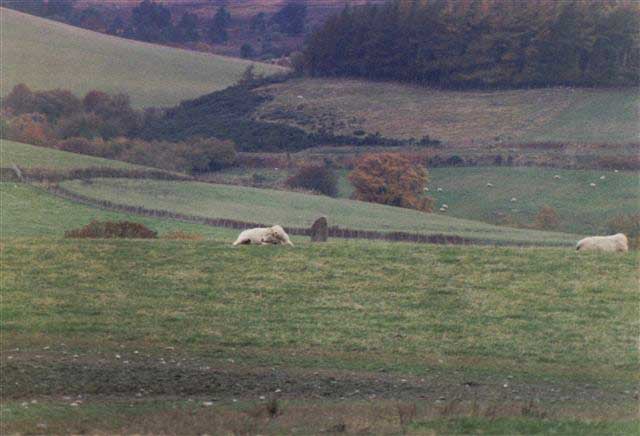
x=52, y=374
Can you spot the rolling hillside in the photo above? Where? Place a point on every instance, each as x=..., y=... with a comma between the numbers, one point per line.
x=294, y=209
x=46, y=54
x=455, y=117
x=29, y=212
x=31, y=156
x=581, y=208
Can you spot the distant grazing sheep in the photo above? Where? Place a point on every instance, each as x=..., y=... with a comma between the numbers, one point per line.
x=557, y=177
x=264, y=236
x=602, y=177
x=489, y=185
x=617, y=242
x=439, y=189
x=514, y=199
x=615, y=171
x=442, y=209
x=593, y=185
x=446, y=206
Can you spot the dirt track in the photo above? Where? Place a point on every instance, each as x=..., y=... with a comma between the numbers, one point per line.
x=51, y=374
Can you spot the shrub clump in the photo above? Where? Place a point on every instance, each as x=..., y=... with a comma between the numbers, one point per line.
x=315, y=178
x=392, y=179
x=112, y=229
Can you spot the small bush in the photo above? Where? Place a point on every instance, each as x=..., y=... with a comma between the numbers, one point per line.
x=316, y=178
x=179, y=235
x=392, y=179
x=112, y=229
x=629, y=225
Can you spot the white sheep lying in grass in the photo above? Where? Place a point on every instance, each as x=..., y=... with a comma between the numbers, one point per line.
x=264, y=236
x=617, y=242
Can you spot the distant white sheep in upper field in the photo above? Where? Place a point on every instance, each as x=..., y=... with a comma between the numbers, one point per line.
x=439, y=189
x=442, y=209
x=593, y=185
x=513, y=199
x=426, y=189
x=603, y=177
x=264, y=236
x=617, y=242
x=557, y=177
x=446, y=206
x=615, y=171
x=489, y=185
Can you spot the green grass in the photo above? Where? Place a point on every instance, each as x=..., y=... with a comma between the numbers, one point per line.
x=537, y=314
x=303, y=418
x=31, y=156
x=522, y=317
x=45, y=54
x=408, y=111
x=526, y=426
x=580, y=207
x=295, y=209
x=27, y=211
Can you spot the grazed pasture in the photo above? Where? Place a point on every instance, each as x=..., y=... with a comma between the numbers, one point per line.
x=83, y=60
x=31, y=156
x=343, y=335
x=29, y=211
x=581, y=208
x=409, y=111
x=296, y=209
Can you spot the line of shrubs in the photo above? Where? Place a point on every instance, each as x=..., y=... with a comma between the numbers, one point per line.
x=438, y=159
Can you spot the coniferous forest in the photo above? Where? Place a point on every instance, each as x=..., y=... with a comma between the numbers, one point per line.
x=482, y=43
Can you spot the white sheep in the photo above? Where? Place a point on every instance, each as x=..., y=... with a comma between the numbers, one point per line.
x=557, y=176
x=489, y=185
x=593, y=185
x=616, y=171
x=439, y=189
x=513, y=199
x=617, y=242
x=602, y=177
x=446, y=206
x=264, y=236
x=442, y=209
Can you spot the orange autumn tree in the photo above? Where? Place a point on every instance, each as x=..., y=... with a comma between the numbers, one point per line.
x=392, y=179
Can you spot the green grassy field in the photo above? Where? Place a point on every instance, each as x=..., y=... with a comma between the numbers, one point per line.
x=407, y=111
x=29, y=212
x=157, y=335
x=581, y=208
x=295, y=209
x=83, y=60
x=31, y=156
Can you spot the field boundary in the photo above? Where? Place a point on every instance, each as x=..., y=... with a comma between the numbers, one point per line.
x=38, y=174
x=333, y=231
